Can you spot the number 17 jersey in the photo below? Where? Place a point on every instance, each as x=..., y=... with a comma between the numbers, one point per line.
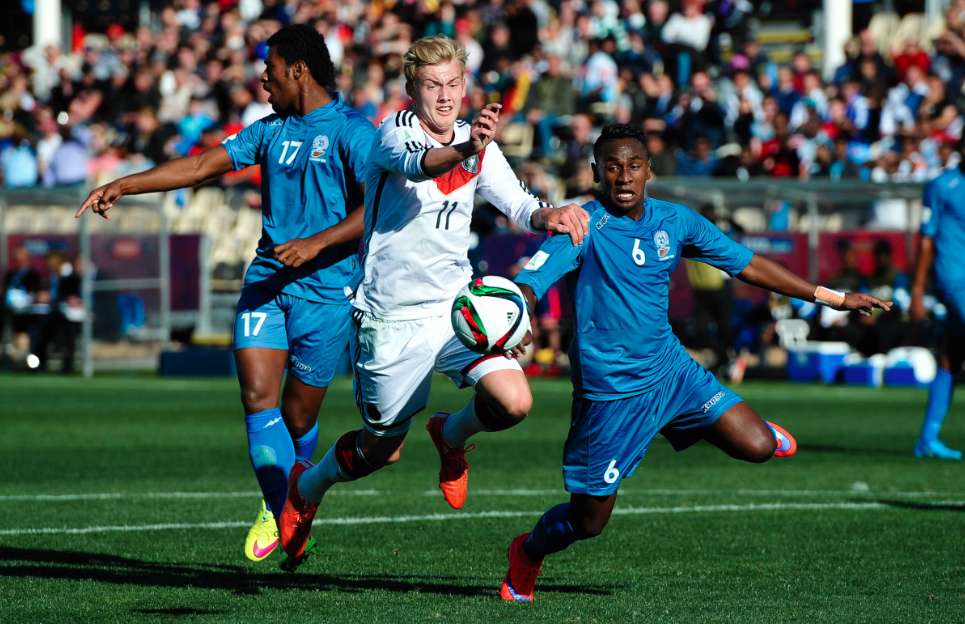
x=312, y=166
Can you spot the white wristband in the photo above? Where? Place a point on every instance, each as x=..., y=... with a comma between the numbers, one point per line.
x=829, y=297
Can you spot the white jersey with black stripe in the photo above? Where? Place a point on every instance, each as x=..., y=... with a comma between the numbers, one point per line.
x=417, y=228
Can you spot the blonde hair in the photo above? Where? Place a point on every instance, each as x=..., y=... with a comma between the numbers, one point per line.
x=432, y=51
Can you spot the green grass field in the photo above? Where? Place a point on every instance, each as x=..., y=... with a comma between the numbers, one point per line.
x=128, y=499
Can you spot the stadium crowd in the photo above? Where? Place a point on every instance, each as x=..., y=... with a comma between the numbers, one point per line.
x=691, y=73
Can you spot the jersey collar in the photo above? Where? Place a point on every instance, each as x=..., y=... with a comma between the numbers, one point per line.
x=325, y=111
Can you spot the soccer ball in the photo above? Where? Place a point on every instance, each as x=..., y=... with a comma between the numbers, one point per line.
x=489, y=315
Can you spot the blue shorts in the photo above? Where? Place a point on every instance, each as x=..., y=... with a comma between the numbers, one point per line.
x=316, y=335
x=608, y=439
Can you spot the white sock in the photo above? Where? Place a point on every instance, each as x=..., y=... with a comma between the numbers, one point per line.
x=459, y=426
x=315, y=481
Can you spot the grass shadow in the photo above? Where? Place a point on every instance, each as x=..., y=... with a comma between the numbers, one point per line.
x=924, y=505
x=115, y=569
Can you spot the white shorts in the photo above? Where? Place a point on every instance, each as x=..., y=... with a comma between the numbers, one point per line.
x=394, y=362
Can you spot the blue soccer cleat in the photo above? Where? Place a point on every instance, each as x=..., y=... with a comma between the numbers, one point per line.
x=934, y=449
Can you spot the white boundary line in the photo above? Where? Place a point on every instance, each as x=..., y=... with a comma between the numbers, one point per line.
x=508, y=493
x=445, y=517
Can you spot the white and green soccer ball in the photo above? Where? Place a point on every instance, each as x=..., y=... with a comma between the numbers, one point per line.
x=489, y=315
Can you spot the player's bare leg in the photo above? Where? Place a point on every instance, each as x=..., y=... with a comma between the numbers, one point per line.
x=743, y=434
x=300, y=405
x=502, y=400
x=260, y=373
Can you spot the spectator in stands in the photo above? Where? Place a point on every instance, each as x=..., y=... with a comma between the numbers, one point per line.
x=662, y=162
x=687, y=34
x=699, y=162
x=22, y=287
x=148, y=136
x=599, y=76
x=550, y=102
x=18, y=162
x=68, y=163
x=911, y=55
x=657, y=13
x=712, y=306
x=62, y=322
x=579, y=147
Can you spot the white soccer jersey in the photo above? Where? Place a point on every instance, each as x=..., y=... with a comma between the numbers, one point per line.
x=417, y=228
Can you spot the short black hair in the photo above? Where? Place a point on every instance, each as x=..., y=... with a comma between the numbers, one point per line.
x=612, y=132
x=301, y=42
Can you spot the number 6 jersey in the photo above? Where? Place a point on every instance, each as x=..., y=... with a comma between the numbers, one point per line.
x=417, y=228
x=621, y=290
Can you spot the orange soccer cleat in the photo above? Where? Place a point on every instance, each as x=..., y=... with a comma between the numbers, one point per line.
x=786, y=444
x=295, y=521
x=454, y=469
x=520, y=581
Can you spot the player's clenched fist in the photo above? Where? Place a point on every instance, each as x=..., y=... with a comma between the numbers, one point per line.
x=101, y=199
x=296, y=252
x=483, y=128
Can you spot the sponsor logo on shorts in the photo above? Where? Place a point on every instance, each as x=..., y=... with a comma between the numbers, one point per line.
x=714, y=400
x=298, y=364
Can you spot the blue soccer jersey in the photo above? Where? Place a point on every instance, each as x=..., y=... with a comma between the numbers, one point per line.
x=944, y=220
x=311, y=167
x=623, y=344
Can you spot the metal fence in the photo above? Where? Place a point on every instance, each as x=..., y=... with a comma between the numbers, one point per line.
x=812, y=208
x=133, y=297
x=123, y=265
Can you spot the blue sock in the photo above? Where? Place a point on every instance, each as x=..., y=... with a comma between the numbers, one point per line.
x=305, y=445
x=553, y=532
x=939, y=398
x=272, y=455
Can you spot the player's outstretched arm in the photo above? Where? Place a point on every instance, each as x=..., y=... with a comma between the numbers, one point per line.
x=439, y=160
x=298, y=251
x=926, y=254
x=772, y=276
x=177, y=173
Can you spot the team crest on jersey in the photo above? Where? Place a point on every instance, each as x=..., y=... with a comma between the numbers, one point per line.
x=471, y=164
x=662, y=241
x=319, y=147
x=457, y=177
